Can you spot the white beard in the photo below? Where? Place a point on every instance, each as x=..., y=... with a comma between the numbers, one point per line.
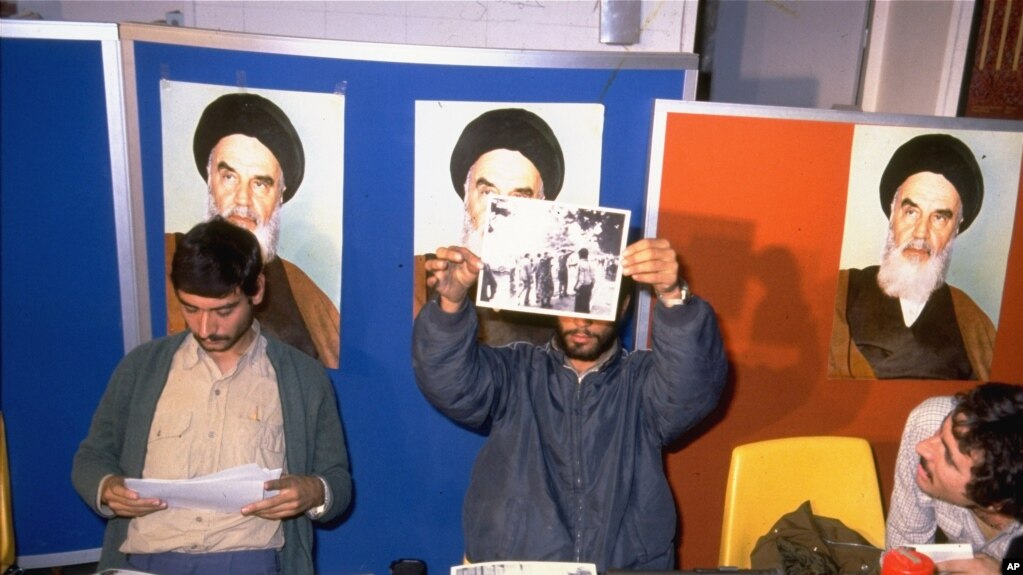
x=267, y=233
x=472, y=236
x=902, y=278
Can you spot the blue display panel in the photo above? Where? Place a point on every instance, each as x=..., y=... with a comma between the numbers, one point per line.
x=61, y=333
x=411, y=466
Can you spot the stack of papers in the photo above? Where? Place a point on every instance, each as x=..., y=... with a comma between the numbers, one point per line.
x=525, y=568
x=939, y=552
x=227, y=491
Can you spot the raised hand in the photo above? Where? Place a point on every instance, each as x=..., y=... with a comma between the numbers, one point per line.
x=452, y=273
x=653, y=261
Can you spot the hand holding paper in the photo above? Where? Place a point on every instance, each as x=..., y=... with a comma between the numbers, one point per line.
x=295, y=494
x=125, y=502
x=225, y=491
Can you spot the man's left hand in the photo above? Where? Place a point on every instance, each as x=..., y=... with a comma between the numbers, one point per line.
x=979, y=565
x=653, y=261
x=296, y=495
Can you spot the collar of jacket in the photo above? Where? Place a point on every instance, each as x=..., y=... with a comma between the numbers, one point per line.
x=605, y=358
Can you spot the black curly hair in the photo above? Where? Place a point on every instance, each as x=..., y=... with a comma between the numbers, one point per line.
x=988, y=420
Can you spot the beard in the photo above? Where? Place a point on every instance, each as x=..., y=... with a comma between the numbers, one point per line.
x=267, y=232
x=900, y=277
x=472, y=233
x=589, y=352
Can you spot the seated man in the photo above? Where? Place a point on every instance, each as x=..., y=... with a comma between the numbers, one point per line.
x=572, y=469
x=960, y=471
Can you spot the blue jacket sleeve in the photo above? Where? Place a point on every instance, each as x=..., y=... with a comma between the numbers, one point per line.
x=688, y=369
x=457, y=375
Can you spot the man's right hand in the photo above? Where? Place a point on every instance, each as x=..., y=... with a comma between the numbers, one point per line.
x=125, y=502
x=451, y=274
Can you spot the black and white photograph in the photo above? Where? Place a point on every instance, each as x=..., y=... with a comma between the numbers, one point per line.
x=552, y=258
x=468, y=151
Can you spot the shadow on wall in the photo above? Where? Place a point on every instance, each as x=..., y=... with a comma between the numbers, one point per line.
x=760, y=293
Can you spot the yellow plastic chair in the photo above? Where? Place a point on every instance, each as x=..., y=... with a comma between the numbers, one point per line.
x=768, y=479
x=6, y=519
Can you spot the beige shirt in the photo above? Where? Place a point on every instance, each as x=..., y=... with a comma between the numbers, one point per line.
x=206, y=421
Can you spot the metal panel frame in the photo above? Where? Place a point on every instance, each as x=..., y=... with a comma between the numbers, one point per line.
x=129, y=256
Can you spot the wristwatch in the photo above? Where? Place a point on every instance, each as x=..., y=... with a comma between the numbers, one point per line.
x=684, y=291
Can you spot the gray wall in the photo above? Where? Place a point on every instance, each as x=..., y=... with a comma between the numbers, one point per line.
x=536, y=25
x=802, y=53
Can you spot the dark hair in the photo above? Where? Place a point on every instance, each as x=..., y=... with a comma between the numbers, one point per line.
x=584, y=253
x=988, y=420
x=215, y=258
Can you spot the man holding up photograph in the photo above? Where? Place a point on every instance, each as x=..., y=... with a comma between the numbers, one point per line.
x=572, y=469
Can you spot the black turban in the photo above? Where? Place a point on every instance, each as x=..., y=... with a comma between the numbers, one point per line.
x=940, y=154
x=510, y=129
x=258, y=118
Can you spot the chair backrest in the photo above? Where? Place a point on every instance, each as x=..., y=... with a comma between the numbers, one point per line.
x=6, y=518
x=768, y=479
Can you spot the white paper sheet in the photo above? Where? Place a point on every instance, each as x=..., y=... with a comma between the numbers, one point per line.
x=939, y=552
x=525, y=568
x=227, y=491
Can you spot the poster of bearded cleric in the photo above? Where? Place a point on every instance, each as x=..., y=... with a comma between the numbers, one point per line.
x=268, y=161
x=928, y=226
x=467, y=151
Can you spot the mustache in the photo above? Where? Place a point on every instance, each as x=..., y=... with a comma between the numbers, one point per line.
x=243, y=212
x=923, y=464
x=214, y=338
x=918, y=244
